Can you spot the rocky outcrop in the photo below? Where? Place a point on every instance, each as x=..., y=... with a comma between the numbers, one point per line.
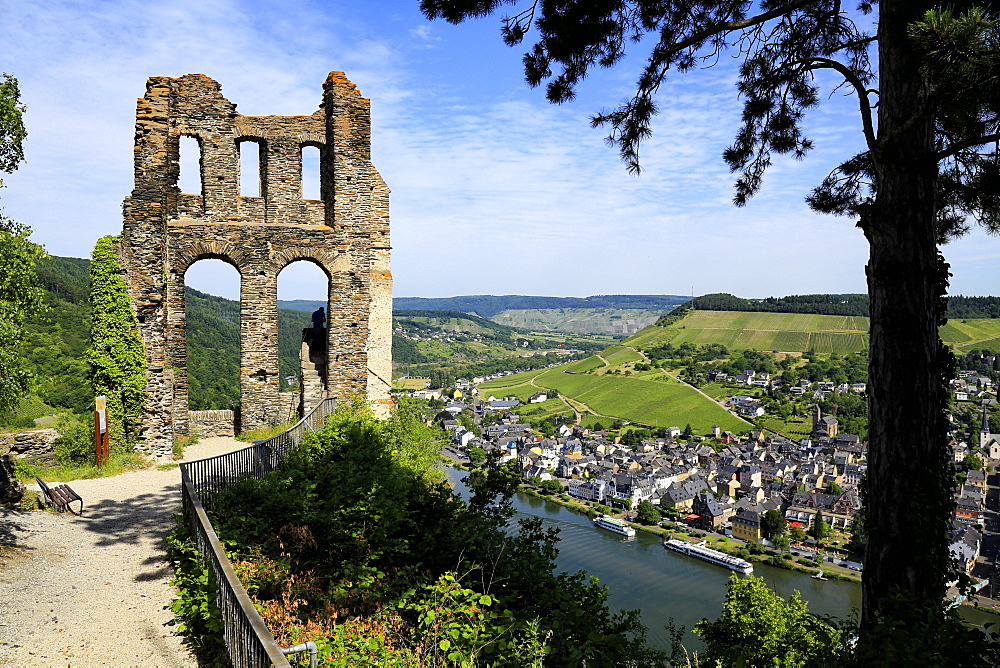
x=11, y=489
x=28, y=443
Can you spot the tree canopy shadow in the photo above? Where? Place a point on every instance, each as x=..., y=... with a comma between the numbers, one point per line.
x=12, y=529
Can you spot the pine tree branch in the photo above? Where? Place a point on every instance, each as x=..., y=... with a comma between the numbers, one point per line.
x=731, y=26
x=968, y=143
x=864, y=104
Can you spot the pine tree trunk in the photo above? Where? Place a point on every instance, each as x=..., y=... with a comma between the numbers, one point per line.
x=907, y=488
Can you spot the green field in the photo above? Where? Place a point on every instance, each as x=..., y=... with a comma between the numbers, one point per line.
x=799, y=332
x=786, y=332
x=616, y=355
x=650, y=402
x=410, y=383
x=547, y=408
x=521, y=390
x=972, y=334
x=585, y=365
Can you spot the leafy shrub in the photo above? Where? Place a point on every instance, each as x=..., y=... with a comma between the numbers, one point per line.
x=200, y=618
x=75, y=444
x=357, y=537
x=17, y=421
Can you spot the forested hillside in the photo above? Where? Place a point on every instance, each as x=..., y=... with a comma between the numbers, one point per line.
x=488, y=306
x=959, y=306
x=58, y=337
x=213, y=348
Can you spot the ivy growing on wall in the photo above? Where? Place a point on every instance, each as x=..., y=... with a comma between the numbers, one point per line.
x=116, y=356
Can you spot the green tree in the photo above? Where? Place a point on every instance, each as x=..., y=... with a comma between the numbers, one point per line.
x=798, y=533
x=773, y=523
x=354, y=545
x=647, y=513
x=466, y=421
x=927, y=114
x=820, y=529
x=116, y=356
x=973, y=462
x=20, y=295
x=993, y=422
x=834, y=488
x=477, y=456
x=551, y=486
x=781, y=543
x=759, y=628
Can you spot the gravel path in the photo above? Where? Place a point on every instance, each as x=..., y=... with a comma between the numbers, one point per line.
x=93, y=590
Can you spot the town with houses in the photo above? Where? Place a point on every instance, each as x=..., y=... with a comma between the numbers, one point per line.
x=724, y=483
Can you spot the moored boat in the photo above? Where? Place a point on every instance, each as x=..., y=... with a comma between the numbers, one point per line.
x=615, y=525
x=819, y=576
x=705, y=553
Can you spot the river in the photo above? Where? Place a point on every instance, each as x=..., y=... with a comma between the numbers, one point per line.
x=641, y=574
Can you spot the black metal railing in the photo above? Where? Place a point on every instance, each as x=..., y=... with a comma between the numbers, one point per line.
x=248, y=640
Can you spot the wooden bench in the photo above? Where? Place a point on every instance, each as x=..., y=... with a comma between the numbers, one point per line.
x=59, y=496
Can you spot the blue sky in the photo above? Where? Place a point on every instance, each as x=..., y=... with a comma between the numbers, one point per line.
x=494, y=191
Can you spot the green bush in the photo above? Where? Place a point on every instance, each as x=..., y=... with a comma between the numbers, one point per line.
x=358, y=531
x=17, y=422
x=200, y=618
x=75, y=444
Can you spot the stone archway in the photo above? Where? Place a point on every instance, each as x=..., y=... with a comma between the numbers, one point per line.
x=346, y=232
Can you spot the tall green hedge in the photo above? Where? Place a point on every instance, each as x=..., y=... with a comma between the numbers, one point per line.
x=116, y=356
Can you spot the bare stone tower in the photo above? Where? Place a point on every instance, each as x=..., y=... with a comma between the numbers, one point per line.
x=346, y=233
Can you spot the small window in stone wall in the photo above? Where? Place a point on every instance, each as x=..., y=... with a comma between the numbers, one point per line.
x=310, y=172
x=189, y=180
x=250, y=168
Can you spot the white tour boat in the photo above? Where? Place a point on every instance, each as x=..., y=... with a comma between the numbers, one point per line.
x=615, y=525
x=705, y=553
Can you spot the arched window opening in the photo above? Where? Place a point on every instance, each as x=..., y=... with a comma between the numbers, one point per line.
x=302, y=290
x=250, y=168
x=189, y=180
x=310, y=172
x=212, y=329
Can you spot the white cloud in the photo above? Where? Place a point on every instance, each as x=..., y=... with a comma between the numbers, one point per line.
x=493, y=190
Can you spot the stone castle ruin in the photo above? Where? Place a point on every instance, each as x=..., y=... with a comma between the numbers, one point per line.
x=345, y=233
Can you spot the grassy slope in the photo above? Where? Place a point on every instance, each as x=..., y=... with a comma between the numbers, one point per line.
x=616, y=355
x=639, y=400
x=791, y=332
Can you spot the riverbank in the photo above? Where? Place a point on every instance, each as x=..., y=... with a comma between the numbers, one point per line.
x=721, y=543
x=768, y=557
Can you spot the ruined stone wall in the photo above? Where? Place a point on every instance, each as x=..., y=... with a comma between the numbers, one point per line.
x=208, y=424
x=346, y=233
x=29, y=443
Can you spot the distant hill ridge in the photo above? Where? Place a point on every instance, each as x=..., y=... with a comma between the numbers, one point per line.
x=404, y=314
x=487, y=306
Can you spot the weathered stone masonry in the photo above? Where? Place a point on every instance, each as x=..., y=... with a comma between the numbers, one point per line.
x=346, y=233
